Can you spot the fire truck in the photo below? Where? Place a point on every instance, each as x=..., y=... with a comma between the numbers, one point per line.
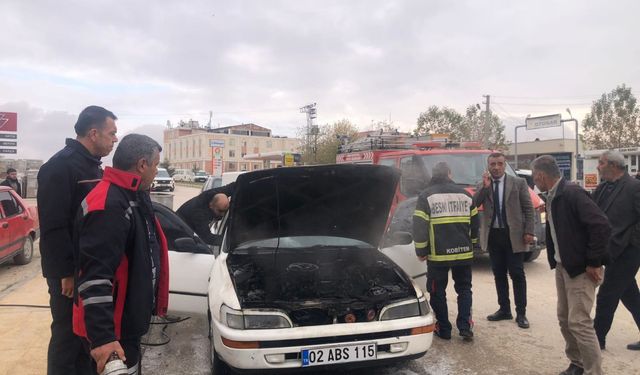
x=416, y=157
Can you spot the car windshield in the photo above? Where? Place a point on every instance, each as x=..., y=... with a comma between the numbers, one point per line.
x=162, y=173
x=304, y=242
x=201, y=173
x=466, y=168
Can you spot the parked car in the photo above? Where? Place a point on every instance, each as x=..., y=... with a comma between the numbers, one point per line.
x=211, y=183
x=19, y=227
x=184, y=175
x=297, y=279
x=163, y=181
x=200, y=176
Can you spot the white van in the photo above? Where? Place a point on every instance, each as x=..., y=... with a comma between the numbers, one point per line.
x=183, y=175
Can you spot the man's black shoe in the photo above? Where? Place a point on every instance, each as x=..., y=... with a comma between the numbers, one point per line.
x=634, y=346
x=522, y=321
x=443, y=335
x=500, y=315
x=573, y=370
x=467, y=334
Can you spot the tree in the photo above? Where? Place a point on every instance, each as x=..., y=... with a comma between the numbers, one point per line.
x=473, y=128
x=469, y=127
x=440, y=121
x=167, y=165
x=613, y=121
x=327, y=141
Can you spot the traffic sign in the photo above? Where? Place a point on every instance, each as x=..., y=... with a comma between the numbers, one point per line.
x=8, y=136
x=8, y=143
x=8, y=121
x=8, y=151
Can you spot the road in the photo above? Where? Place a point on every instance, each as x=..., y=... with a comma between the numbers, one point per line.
x=498, y=348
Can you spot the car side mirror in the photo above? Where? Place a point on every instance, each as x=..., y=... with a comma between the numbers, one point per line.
x=188, y=245
x=398, y=238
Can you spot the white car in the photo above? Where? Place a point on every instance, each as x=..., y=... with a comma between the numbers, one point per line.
x=298, y=280
x=162, y=181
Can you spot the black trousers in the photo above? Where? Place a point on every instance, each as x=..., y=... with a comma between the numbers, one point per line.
x=437, y=279
x=619, y=285
x=504, y=260
x=66, y=355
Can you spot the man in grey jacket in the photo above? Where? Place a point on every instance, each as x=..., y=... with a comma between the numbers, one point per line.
x=619, y=197
x=507, y=228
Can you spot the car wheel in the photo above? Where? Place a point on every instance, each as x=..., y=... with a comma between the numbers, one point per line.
x=217, y=366
x=26, y=254
x=532, y=255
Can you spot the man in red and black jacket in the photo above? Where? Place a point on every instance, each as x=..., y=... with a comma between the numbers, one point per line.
x=122, y=269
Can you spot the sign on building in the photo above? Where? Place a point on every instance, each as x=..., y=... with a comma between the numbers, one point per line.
x=216, y=143
x=541, y=122
x=8, y=127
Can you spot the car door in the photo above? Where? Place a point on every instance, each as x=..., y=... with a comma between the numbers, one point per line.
x=190, y=263
x=12, y=226
x=404, y=255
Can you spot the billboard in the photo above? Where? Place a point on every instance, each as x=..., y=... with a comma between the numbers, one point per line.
x=8, y=121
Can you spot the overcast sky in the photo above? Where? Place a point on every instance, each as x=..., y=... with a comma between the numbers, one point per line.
x=260, y=61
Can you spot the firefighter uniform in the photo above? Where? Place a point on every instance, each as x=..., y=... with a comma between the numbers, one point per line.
x=445, y=227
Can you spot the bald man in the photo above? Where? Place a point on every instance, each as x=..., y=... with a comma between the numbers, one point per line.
x=211, y=205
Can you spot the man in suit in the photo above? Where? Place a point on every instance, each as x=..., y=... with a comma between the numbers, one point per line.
x=507, y=228
x=619, y=197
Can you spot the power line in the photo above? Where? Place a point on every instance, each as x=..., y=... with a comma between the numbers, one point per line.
x=544, y=104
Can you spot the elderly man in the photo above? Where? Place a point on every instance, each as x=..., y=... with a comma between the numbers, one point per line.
x=619, y=197
x=123, y=270
x=577, y=233
x=211, y=205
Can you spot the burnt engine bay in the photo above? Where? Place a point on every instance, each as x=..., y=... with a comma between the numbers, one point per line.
x=318, y=286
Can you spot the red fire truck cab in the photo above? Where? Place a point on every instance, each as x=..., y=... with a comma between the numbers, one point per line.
x=416, y=158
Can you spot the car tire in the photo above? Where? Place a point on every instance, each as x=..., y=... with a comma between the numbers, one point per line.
x=532, y=255
x=26, y=254
x=218, y=367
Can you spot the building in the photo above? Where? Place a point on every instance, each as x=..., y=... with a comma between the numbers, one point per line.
x=190, y=146
x=562, y=149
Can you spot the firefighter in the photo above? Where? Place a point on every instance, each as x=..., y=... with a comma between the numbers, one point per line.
x=445, y=227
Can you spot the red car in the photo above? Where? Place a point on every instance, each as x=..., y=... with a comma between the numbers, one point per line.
x=19, y=227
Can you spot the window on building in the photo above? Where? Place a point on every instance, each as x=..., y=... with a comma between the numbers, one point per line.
x=231, y=167
x=232, y=142
x=633, y=160
x=232, y=153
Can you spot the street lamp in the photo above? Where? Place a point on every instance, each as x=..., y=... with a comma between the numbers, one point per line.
x=516, y=141
x=577, y=137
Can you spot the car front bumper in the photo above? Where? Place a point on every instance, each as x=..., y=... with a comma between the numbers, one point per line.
x=281, y=348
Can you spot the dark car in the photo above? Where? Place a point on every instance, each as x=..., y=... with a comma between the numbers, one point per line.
x=19, y=227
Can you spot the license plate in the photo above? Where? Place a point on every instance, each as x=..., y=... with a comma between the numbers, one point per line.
x=338, y=354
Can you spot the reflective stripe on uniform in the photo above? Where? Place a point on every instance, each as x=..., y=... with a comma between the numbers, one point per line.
x=94, y=300
x=421, y=214
x=474, y=211
x=91, y=283
x=450, y=257
x=451, y=220
x=421, y=245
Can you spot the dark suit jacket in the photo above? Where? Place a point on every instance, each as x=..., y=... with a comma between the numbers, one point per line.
x=518, y=207
x=622, y=207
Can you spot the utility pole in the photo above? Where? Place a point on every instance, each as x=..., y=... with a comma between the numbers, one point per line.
x=310, y=110
x=487, y=121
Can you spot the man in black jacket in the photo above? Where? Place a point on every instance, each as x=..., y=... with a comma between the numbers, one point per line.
x=200, y=211
x=123, y=274
x=577, y=233
x=12, y=181
x=619, y=197
x=63, y=182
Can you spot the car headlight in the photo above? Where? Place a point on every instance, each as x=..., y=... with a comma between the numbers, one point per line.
x=254, y=319
x=404, y=309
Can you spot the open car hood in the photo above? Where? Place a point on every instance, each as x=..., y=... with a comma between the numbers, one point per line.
x=350, y=201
